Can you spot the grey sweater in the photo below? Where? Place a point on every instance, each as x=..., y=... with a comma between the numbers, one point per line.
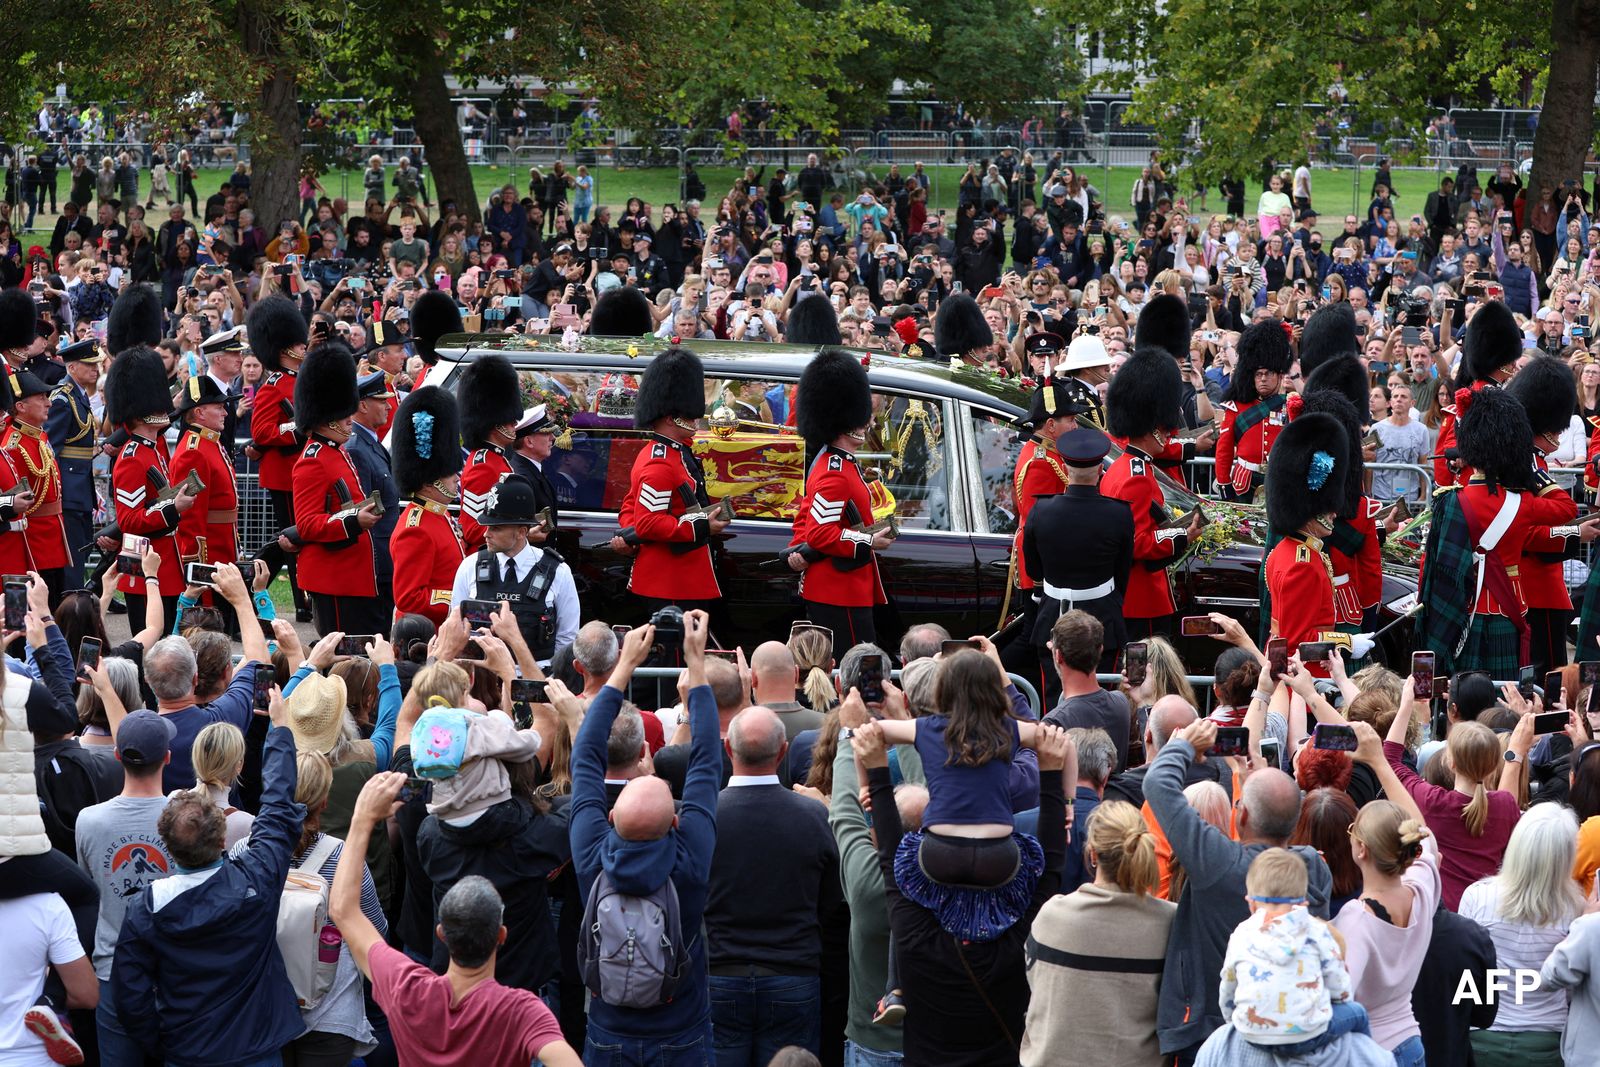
x=1572, y=966
x=1211, y=906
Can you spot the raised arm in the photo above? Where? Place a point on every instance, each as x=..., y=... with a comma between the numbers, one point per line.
x=378, y=800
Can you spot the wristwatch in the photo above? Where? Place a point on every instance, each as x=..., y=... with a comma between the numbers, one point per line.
x=846, y=733
x=1511, y=757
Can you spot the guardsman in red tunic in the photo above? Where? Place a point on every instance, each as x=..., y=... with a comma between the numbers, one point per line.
x=1304, y=486
x=1164, y=323
x=386, y=351
x=331, y=524
x=665, y=522
x=1489, y=354
x=36, y=462
x=1142, y=407
x=835, y=555
x=1549, y=396
x=278, y=339
x=148, y=505
x=491, y=406
x=1252, y=414
x=426, y=544
x=209, y=530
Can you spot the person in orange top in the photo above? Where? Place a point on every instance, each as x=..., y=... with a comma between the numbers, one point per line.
x=426, y=545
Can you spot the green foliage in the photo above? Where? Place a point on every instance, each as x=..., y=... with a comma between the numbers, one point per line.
x=995, y=56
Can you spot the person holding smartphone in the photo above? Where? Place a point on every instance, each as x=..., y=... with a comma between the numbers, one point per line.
x=832, y=548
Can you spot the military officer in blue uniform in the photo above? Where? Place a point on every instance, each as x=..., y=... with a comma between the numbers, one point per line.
x=70, y=429
x=366, y=451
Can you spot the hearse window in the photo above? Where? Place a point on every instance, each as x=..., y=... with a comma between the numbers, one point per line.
x=999, y=443
x=750, y=455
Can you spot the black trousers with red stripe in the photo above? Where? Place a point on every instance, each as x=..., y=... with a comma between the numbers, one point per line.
x=850, y=626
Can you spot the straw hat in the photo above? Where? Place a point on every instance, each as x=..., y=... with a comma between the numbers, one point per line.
x=316, y=712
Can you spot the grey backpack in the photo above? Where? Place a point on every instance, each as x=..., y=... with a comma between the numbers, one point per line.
x=631, y=951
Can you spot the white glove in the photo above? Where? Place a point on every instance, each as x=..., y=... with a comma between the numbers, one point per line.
x=1361, y=644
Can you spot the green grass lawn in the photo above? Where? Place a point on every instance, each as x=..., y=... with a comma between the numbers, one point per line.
x=1335, y=190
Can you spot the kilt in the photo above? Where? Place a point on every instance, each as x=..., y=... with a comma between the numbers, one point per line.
x=1493, y=646
x=1589, y=616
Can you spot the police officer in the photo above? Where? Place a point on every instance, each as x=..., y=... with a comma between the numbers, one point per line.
x=534, y=581
x=1078, y=547
x=36, y=463
x=426, y=545
x=366, y=451
x=70, y=428
x=490, y=410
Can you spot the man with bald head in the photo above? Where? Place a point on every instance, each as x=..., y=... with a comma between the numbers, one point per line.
x=644, y=843
x=730, y=688
x=1213, y=900
x=775, y=679
x=1167, y=716
x=774, y=884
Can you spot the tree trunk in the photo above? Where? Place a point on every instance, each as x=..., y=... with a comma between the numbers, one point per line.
x=1566, y=122
x=275, y=127
x=434, y=117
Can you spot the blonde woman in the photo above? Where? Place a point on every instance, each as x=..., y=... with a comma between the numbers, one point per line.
x=372, y=179
x=218, y=755
x=105, y=181
x=1105, y=943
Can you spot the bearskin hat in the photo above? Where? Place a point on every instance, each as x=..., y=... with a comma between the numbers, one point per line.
x=1262, y=346
x=959, y=326
x=1548, y=393
x=1303, y=478
x=275, y=323
x=135, y=319
x=490, y=396
x=812, y=322
x=433, y=315
x=1495, y=436
x=426, y=443
x=833, y=397
x=674, y=385
x=1145, y=395
x=19, y=318
x=136, y=387
x=621, y=312
x=1491, y=342
x=1164, y=323
x=1343, y=375
x=325, y=388
x=1331, y=331
x=1352, y=470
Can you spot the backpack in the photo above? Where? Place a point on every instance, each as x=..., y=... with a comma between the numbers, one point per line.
x=631, y=951
x=439, y=743
x=308, y=942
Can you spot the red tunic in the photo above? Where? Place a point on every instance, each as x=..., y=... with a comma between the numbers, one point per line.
x=1442, y=474
x=1132, y=478
x=207, y=532
x=337, y=555
x=1544, y=583
x=1039, y=473
x=272, y=429
x=1550, y=506
x=139, y=473
x=837, y=499
x=1358, y=578
x=1300, y=583
x=36, y=462
x=14, y=555
x=674, y=560
x=484, y=469
x=427, y=550
x=1242, y=455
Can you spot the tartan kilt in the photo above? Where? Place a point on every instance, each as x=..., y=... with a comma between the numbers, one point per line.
x=1493, y=646
x=1589, y=615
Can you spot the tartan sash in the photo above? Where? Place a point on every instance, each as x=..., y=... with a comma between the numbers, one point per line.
x=1255, y=414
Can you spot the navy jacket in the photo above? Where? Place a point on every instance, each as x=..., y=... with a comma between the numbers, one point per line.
x=641, y=867
x=372, y=464
x=70, y=428
x=199, y=979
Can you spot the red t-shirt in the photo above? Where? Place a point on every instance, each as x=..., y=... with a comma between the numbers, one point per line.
x=493, y=1026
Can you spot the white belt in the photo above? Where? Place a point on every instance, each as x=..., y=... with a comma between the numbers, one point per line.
x=1055, y=592
x=1341, y=579
x=1246, y=464
x=17, y=525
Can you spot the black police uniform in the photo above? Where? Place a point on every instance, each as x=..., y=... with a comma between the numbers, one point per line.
x=373, y=465
x=531, y=595
x=1078, y=546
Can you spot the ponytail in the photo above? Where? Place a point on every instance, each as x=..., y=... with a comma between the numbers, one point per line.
x=1476, y=756
x=1476, y=813
x=819, y=690
x=1123, y=847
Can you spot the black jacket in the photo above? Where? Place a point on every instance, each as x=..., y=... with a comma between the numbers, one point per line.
x=70, y=778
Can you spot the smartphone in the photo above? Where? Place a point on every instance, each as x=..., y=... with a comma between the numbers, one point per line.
x=131, y=559
x=1589, y=672
x=1135, y=658
x=1314, y=651
x=1525, y=678
x=16, y=610
x=956, y=287
x=1333, y=737
x=1231, y=741
x=729, y=654
x=1550, y=722
x=952, y=646
x=1422, y=674
x=1271, y=751
x=354, y=644
x=525, y=692
x=1198, y=626
x=264, y=681
x=870, y=679
x=416, y=789
x=266, y=629
x=201, y=574
x=88, y=654
x=1277, y=658
x=1410, y=335
x=479, y=613
x=621, y=632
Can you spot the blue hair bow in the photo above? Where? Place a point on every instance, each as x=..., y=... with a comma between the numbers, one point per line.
x=422, y=427
x=1321, y=467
